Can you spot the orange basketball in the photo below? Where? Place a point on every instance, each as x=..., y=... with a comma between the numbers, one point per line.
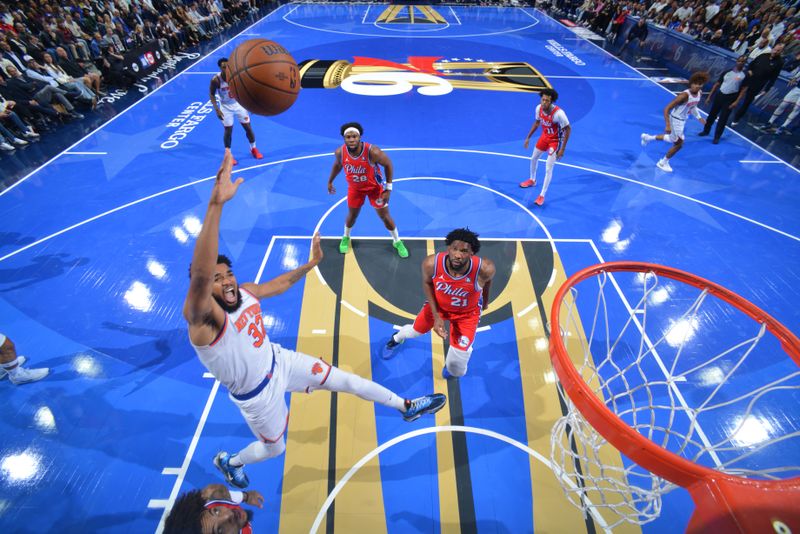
x=263, y=77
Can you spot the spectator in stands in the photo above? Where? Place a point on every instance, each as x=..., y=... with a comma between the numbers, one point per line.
x=637, y=35
x=77, y=70
x=762, y=73
x=74, y=85
x=38, y=94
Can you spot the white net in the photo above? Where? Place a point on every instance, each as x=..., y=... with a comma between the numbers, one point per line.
x=687, y=370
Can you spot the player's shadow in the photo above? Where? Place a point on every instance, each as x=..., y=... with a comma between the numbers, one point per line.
x=15, y=239
x=40, y=269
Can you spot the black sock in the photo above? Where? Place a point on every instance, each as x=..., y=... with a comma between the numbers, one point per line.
x=392, y=342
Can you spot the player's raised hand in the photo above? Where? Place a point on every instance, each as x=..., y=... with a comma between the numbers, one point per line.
x=224, y=188
x=316, y=249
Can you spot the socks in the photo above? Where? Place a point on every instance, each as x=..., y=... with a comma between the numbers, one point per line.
x=12, y=365
x=395, y=235
x=347, y=231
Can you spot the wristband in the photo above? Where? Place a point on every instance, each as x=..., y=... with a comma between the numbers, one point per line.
x=389, y=186
x=237, y=496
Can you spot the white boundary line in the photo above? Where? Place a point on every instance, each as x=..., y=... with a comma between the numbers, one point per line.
x=670, y=92
x=86, y=153
x=454, y=15
x=758, y=161
x=433, y=430
x=167, y=505
x=364, y=19
x=118, y=115
x=460, y=150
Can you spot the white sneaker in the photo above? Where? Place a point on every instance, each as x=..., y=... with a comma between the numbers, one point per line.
x=31, y=135
x=6, y=146
x=663, y=164
x=19, y=142
x=645, y=140
x=20, y=361
x=20, y=375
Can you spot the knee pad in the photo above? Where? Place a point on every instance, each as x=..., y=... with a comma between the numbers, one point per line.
x=457, y=361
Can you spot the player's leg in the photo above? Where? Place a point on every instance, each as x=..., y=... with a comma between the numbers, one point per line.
x=244, y=120
x=355, y=199
x=676, y=137
x=383, y=212
x=422, y=325
x=307, y=373
x=462, y=335
x=537, y=153
x=11, y=365
x=548, y=171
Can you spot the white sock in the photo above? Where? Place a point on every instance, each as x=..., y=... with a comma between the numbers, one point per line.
x=345, y=382
x=395, y=235
x=406, y=332
x=253, y=144
x=548, y=173
x=649, y=137
x=258, y=451
x=347, y=231
x=12, y=365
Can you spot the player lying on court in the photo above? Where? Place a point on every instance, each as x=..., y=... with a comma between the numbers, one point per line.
x=675, y=115
x=213, y=510
x=361, y=163
x=227, y=332
x=456, y=286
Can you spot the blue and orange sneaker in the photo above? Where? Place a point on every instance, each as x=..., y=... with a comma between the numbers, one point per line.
x=415, y=408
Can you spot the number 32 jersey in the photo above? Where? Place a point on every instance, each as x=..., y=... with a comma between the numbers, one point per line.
x=241, y=355
x=359, y=171
x=457, y=295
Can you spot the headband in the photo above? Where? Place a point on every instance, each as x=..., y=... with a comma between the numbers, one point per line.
x=351, y=129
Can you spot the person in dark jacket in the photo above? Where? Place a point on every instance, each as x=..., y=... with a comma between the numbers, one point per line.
x=761, y=74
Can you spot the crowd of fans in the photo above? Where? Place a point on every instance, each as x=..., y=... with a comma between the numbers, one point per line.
x=59, y=56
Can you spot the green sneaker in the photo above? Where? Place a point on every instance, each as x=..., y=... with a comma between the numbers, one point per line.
x=402, y=251
x=344, y=245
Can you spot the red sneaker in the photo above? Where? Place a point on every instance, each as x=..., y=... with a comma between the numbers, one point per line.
x=256, y=154
x=528, y=183
x=539, y=200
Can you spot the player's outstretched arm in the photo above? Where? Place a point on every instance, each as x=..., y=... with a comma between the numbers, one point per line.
x=337, y=168
x=204, y=316
x=278, y=285
x=485, y=276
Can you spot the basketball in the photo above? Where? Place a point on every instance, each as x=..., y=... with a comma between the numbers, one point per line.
x=263, y=77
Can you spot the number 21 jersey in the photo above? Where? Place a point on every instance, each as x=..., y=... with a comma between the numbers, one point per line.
x=457, y=295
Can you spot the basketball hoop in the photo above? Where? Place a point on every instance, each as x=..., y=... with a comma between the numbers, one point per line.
x=669, y=384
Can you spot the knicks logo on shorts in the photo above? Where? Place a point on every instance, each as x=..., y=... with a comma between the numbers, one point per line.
x=463, y=341
x=316, y=369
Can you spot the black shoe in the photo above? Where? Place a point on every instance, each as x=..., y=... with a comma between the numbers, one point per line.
x=703, y=133
x=715, y=141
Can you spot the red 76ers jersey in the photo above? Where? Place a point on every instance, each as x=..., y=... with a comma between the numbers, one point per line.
x=457, y=295
x=552, y=123
x=358, y=170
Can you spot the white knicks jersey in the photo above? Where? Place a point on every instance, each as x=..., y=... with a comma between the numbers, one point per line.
x=223, y=92
x=682, y=111
x=241, y=355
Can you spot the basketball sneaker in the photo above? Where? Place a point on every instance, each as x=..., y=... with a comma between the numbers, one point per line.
x=402, y=251
x=663, y=164
x=344, y=245
x=416, y=408
x=20, y=375
x=234, y=475
x=256, y=154
x=645, y=140
x=20, y=361
x=530, y=182
x=539, y=200
x=389, y=349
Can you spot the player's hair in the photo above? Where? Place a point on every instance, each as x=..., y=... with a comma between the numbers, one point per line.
x=355, y=125
x=466, y=235
x=184, y=518
x=221, y=258
x=699, y=77
x=221, y=60
x=552, y=93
